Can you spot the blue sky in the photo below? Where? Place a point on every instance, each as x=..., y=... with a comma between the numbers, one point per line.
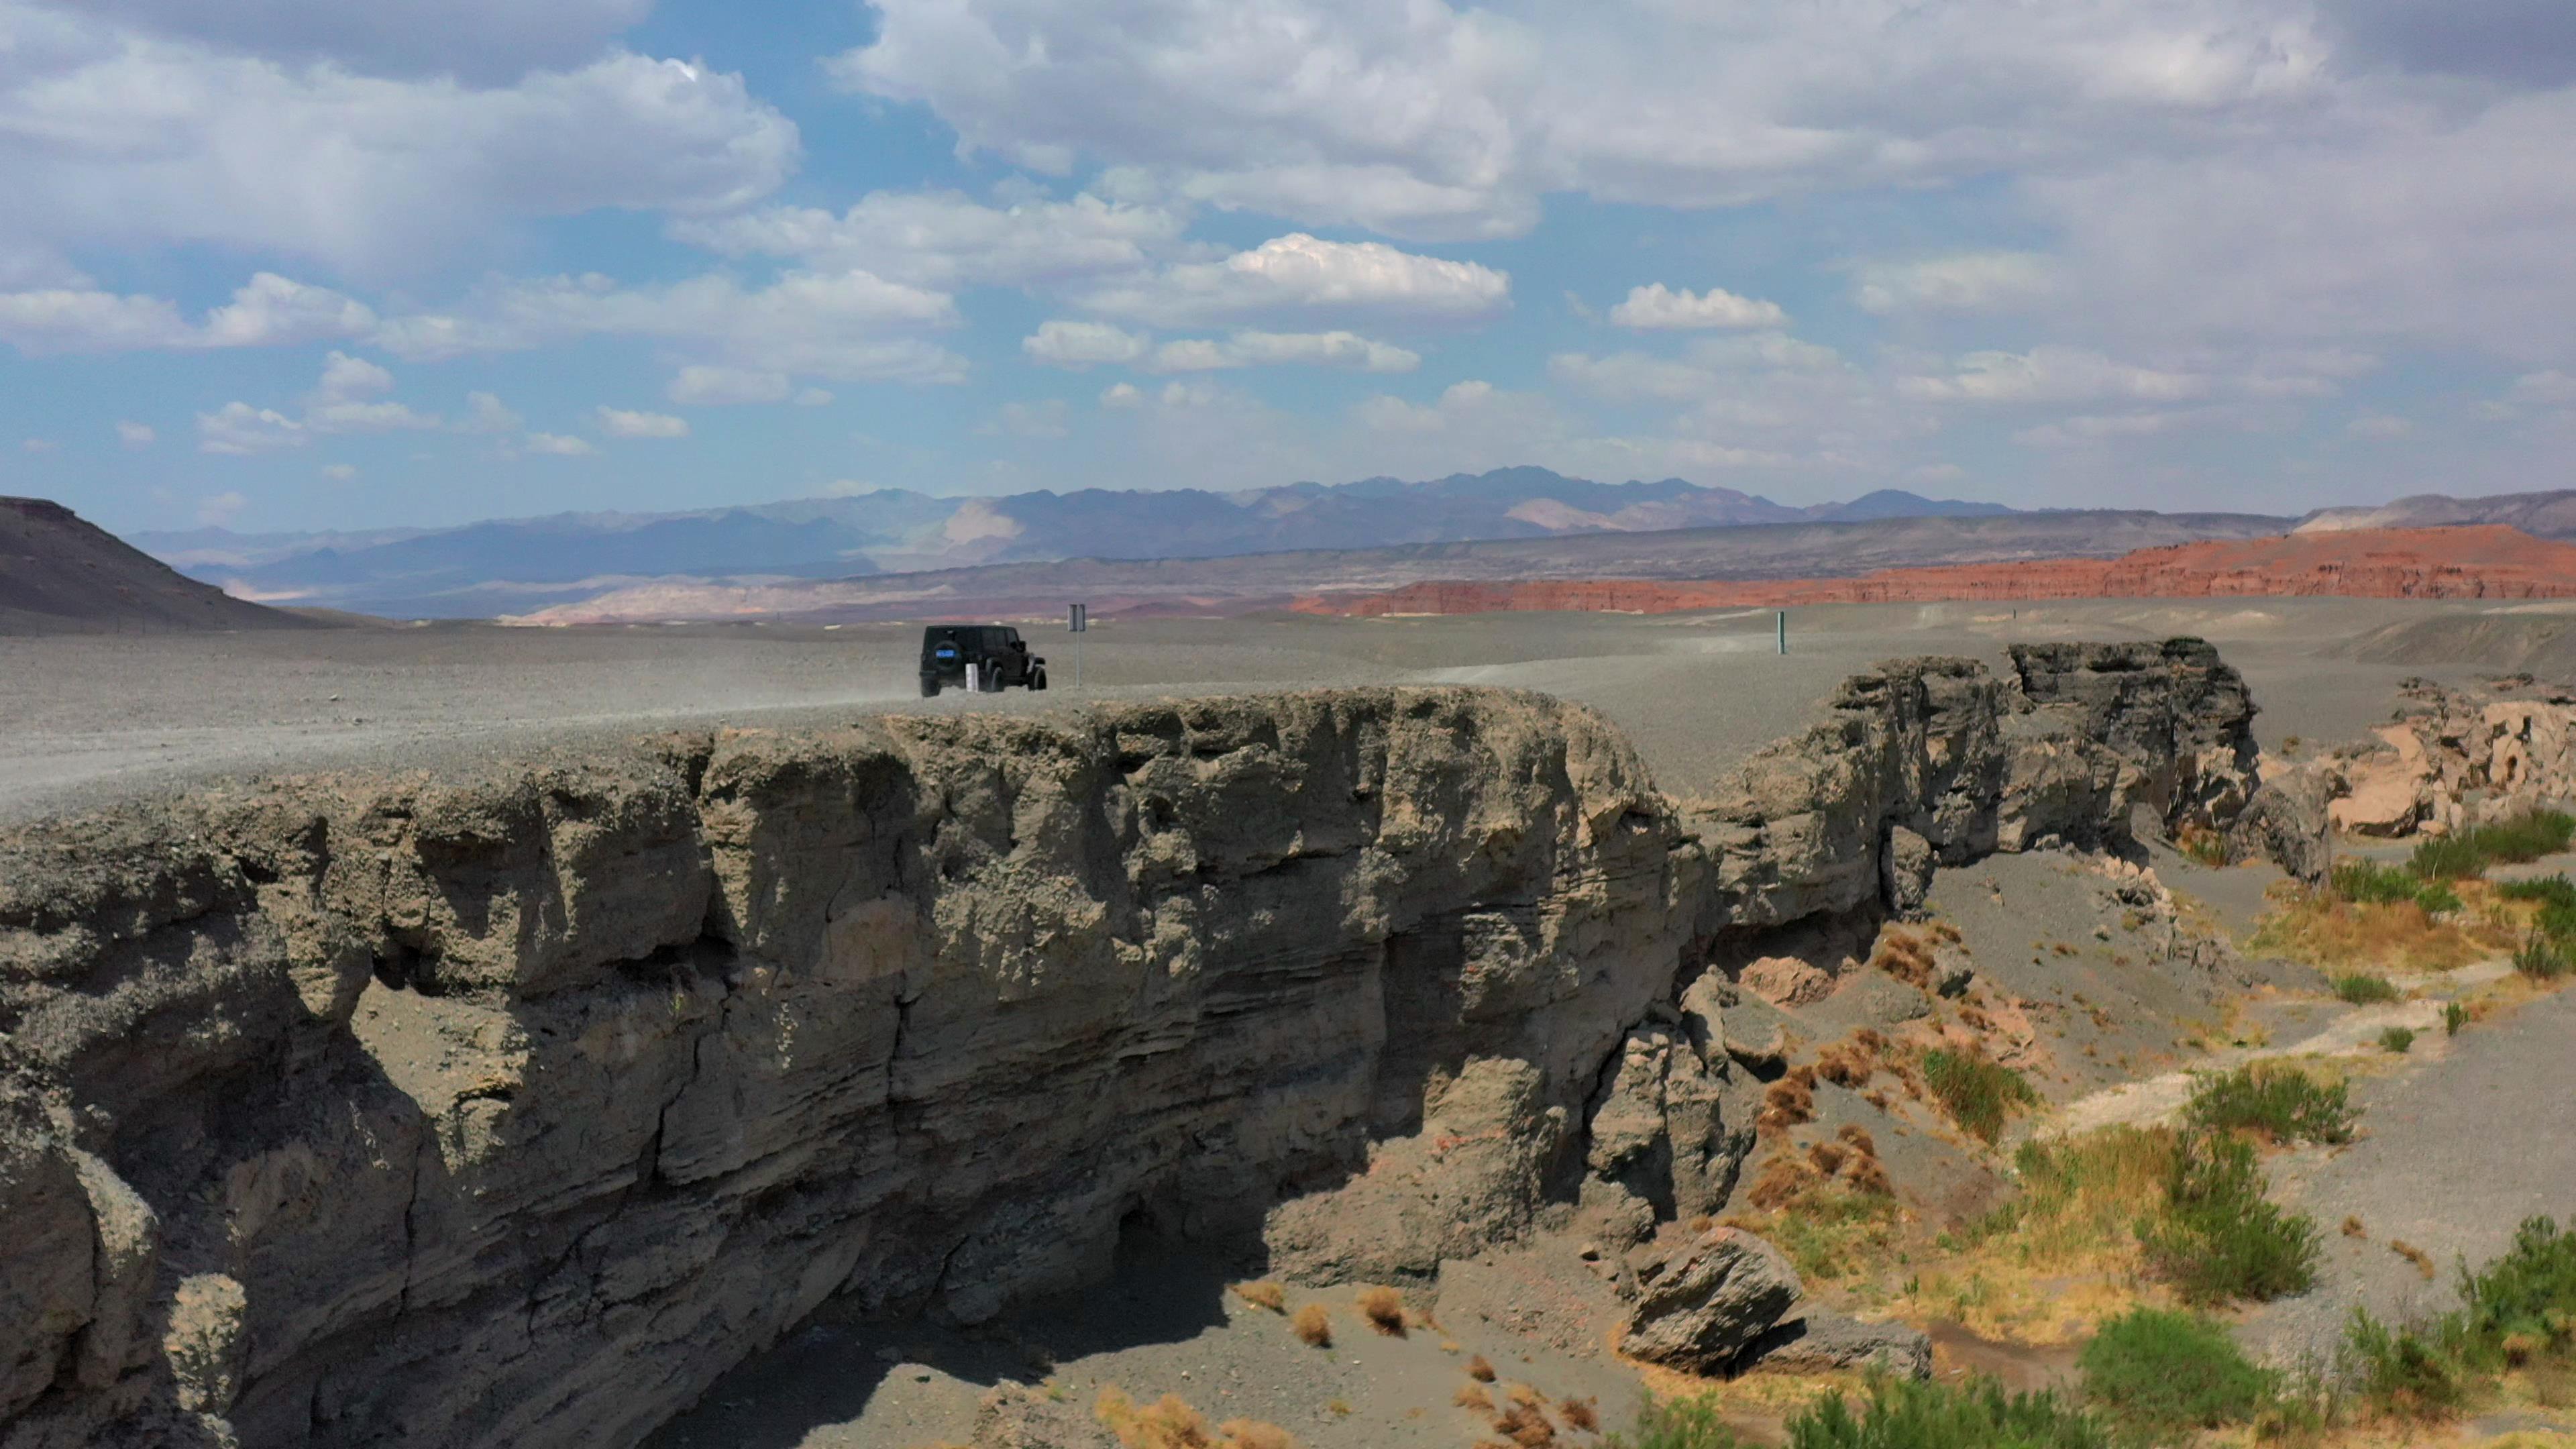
x=286, y=264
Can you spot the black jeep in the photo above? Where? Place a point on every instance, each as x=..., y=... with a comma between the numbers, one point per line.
x=1000, y=657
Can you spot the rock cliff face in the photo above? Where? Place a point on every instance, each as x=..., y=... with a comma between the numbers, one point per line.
x=346, y=1111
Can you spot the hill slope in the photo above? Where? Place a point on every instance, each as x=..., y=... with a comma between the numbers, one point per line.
x=62, y=575
x=2542, y=515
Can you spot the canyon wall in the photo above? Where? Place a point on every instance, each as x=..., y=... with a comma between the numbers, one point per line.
x=515, y=1109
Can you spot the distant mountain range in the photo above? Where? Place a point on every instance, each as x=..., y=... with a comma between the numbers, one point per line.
x=519, y=565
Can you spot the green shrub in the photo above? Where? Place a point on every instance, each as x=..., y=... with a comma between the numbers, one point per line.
x=2367, y=883
x=2397, y=1040
x=2540, y=958
x=2524, y=837
x=2437, y=898
x=1978, y=1094
x=2448, y=857
x=2218, y=1237
x=2279, y=1102
x=2454, y=1016
x=2554, y=890
x=2522, y=1306
x=1677, y=1424
x=1902, y=1414
x=2363, y=989
x=2172, y=1372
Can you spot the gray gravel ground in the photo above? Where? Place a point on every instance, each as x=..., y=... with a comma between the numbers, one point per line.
x=84, y=721
x=2455, y=1153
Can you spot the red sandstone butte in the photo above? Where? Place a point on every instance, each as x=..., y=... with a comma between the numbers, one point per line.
x=2483, y=561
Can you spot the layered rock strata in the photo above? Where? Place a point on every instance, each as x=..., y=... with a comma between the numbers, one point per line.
x=2457, y=757
x=513, y=1110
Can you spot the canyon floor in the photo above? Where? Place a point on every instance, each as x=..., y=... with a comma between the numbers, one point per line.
x=85, y=720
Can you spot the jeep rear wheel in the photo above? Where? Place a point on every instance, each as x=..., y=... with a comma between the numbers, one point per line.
x=929, y=686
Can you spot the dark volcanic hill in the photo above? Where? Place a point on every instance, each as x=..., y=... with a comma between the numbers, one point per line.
x=62, y=575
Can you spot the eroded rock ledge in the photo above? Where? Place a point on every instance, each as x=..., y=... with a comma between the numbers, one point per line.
x=371, y=1111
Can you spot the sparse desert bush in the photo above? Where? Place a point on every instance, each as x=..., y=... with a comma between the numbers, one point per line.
x=2172, y=1372
x=1582, y=1414
x=2524, y=837
x=2448, y=857
x=1678, y=1424
x=1904, y=1414
x=1479, y=1370
x=2521, y=1307
x=2454, y=1016
x=1473, y=1396
x=1384, y=1310
x=2438, y=899
x=2218, y=1237
x=1254, y=1434
x=2352, y=1227
x=2368, y=883
x=2553, y=890
x=1830, y=1228
x=2280, y=1103
x=2202, y=846
x=2361, y=988
x=1264, y=1294
x=2540, y=958
x=1314, y=1325
x=2397, y=1041
x=1977, y=1093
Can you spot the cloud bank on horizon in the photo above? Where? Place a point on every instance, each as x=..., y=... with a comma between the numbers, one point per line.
x=295, y=263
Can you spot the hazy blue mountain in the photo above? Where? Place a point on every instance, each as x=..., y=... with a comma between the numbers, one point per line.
x=511, y=565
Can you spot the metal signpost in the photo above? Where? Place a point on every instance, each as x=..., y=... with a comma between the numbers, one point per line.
x=1079, y=624
x=1784, y=631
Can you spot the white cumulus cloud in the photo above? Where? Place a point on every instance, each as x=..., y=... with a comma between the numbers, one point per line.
x=1964, y=282
x=135, y=435
x=1299, y=274
x=238, y=428
x=703, y=386
x=559, y=445
x=1083, y=344
x=1275, y=349
x=621, y=424
x=1659, y=307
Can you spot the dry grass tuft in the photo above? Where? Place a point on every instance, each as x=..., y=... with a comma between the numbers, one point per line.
x=1254, y=1434
x=2422, y=1260
x=1583, y=1414
x=1473, y=1396
x=1788, y=1102
x=1264, y=1294
x=1527, y=1397
x=1853, y=1062
x=1313, y=1325
x=1903, y=955
x=2352, y=1228
x=1943, y=931
x=1384, y=1310
x=1479, y=1370
x=1827, y=1157
x=1525, y=1426
x=1167, y=1423
x=2321, y=929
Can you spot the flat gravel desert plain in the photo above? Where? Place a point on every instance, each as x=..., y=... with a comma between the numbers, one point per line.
x=88, y=719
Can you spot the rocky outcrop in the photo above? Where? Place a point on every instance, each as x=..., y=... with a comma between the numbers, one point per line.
x=1941, y=758
x=1820, y=1342
x=513, y=1110
x=2456, y=757
x=2488, y=561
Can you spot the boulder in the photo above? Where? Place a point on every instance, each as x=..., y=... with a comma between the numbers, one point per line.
x=1820, y=1341
x=2287, y=822
x=1905, y=869
x=1785, y=981
x=1702, y=1299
